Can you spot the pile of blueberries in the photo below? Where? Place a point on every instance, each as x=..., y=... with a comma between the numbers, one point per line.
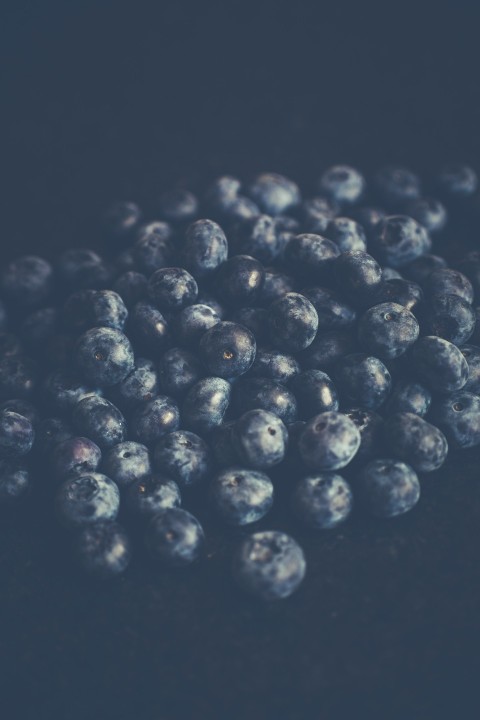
x=318, y=341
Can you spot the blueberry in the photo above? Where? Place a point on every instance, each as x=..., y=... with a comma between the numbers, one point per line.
x=273, y=193
x=415, y=441
x=292, y=322
x=328, y=348
x=449, y=317
x=429, y=212
x=140, y=386
x=260, y=439
x=397, y=186
x=227, y=350
x=95, y=308
x=358, y=275
x=440, y=364
x=192, y=322
x=471, y=353
x=154, y=419
x=75, y=456
x=222, y=193
x=103, y=549
x=343, y=184
x=18, y=376
x=269, y=565
x=242, y=496
x=333, y=311
x=132, y=287
x=370, y=427
x=153, y=247
x=99, y=419
x=205, y=247
x=368, y=216
x=315, y=393
x=206, y=404
x=446, y=281
x=149, y=328
x=86, y=499
x=16, y=434
x=311, y=256
x=316, y=213
x=178, y=206
x=221, y=443
x=274, y=365
x=239, y=280
x=347, y=234
x=328, y=441
x=399, y=240
x=389, y=487
x=24, y=408
x=150, y=495
x=400, y=291
x=175, y=537
x=27, y=281
x=82, y=268
x=363, y=380
x=126, y=463
x=241, y=209
x=409, y=396
x=275, y=285
x=419, y=270
x=184, y=457
x=178, y=370
x=322, y=501
x=212, y=302
x=457, y=181
x=121, y=219
x=388, y=330
x=104, y=356
x=172, y=288
x=50, y=432
x=458, y=415
x=258, y=237
x=264, y=394
x=15, y=481
x=253, y=318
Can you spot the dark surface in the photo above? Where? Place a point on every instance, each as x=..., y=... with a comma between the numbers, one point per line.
x=110, y=100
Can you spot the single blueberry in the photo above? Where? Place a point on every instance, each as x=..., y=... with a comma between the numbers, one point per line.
x=75, y=456
x=396, y=186
x=322, y=501
x=458, y=416
x=357, y=274
x=152, y=494
x=103, y=549
x=148, y=328
x=178, y=371
x=86, y=499
x=316, y=213
x=121, y=218
x=184, y=457
x=389, y=487
x=24, y=408
x=446, y=281
x=154, y=419
x=409, y=396
x=206, y=404
x=258, y=237
x=274, y=365
x=399, y=240
x=315, y=393
x=440, y=364
x=343, y=184
x=241, y=496
x=292, y=322
x=140, y=386
x=263, y=394
x=99, y=419
x=311, y=256
x=333, y=311
x=388, y=330
x=363, y=380
x=16, y=435
x=273, y=193
x=457, y=181
x=260, y=439
x=178, y=206
x=329, y=441
x=15, y=482
x=205, y=247
x=347, y=234
x=415, y=441
x=239, y=280
x=153, y=247
x=104, y=356
x=126, y=463
x=192, y=322
x=175, y=537
x=227, y=350
x=429, y=212
x=172, y=288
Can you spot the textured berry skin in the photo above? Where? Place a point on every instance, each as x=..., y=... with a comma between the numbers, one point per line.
x=269, y=565
x=397, y=186
x=126, y=463
x=104, y=356
x=86, y=499
x=82, y=268
x=429, y=212
x=315, y=393
x=389, y=487
x=75, y=456
x=316, y=213
x=275, y=366
x=292, y=322
x=370, y=427
x=439, y=364
x=241, y=209
x=402, y=292
x=342, y=184
x=154, y=419
x=178, y=371
x=419, y=270
x=448, y=316
x=329, y=441
x=175, y=537
x=184, y=457
x=327, y=349
x=103, y=549
x=333, y=311
x=409, y=396
x=205, y=247
x=258, y=236
x=15, y=482
x=121, y=218
x=62, y=390
x=16, y=435
x=357, y=274
x=310, y=255
x=471, y=353
x=94, y=308
x=206, y=404
x=153, y=248
x=171, y=289
x=26, y=282
x=239, y=280
x=415, y=441
x=22, y=407
x=260, y=393
x=322, y=501
x=446, y=281
x=458, y=416
x=241, y=496
x=178, y=206
x=99, y=419
x=273, y=193
x=132, y=287
x=192, y=322
x=149, y=328
x=388, y=330
x=399, y=240
x=150, y=495
x=363, y=380
x=49, y=433
x=141, y=385
x=457, y=181
x=18, y=376
x=347, y=234
x=227, y=350
x=222, y=192
x=260, y=439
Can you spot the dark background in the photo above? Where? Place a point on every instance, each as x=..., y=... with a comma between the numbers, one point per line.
x=120, y=100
